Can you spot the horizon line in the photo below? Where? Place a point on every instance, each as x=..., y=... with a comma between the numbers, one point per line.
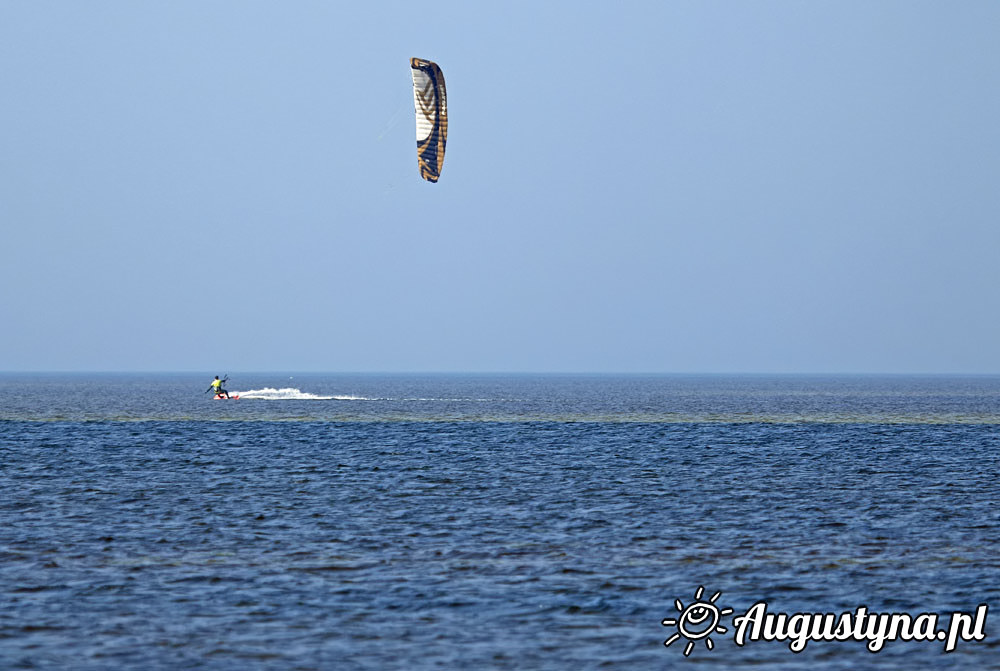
x=497, y=372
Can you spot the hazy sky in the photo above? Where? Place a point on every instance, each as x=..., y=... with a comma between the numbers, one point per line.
x=780, y=186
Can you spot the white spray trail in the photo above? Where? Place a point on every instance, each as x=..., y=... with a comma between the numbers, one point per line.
x=291, y=394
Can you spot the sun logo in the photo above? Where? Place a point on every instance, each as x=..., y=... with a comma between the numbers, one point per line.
x=698, y=621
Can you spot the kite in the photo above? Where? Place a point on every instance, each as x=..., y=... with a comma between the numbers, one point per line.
x=430, y=103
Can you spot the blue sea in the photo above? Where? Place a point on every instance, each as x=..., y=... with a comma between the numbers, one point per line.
x=489, y=521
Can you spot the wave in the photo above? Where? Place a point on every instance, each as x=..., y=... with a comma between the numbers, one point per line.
x=292, y=394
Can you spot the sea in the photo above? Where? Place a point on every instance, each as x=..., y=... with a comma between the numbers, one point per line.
x=346, y=521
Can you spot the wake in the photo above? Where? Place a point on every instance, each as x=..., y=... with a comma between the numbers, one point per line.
x=291, y=394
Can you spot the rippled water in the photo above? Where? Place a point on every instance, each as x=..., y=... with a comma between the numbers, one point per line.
x=486, y=521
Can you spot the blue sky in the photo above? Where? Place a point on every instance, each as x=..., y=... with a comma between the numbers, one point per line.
x=632, y=186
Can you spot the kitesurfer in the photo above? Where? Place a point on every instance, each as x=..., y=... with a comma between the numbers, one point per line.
x=218, y=388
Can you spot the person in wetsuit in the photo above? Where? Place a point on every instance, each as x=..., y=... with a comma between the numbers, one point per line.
x=218, y=388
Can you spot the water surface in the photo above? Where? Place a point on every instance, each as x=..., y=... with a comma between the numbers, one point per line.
x=513, y=522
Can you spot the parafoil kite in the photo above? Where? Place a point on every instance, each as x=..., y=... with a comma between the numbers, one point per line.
x=431, y=106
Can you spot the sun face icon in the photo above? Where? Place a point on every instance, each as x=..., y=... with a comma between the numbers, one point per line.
x=697, y=621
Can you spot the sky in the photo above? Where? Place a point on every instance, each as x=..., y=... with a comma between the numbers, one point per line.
x=702, y=186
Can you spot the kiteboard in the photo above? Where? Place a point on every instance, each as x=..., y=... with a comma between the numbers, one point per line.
x=219, y=397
